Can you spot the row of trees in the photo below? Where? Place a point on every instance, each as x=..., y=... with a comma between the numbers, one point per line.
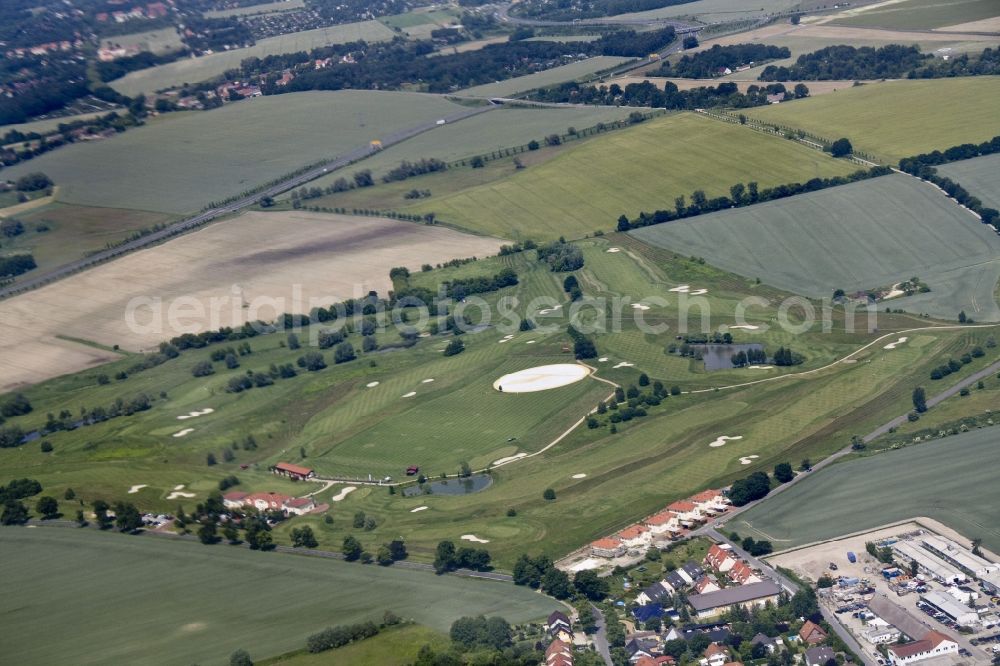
x=742, y=195
x=952, y=365
x=670, y=96
x=459, y=288
x=707, y=64
x=585, y=9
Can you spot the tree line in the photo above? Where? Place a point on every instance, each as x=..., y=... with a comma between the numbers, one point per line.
x=706, y=64
x=648, y=94
x=742, y=195
x=844, y=62
x=567, y=10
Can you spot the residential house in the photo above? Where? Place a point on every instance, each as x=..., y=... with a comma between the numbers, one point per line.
x=721, y=557
x=644, y=614
x=776, y=98
x=233, y=500
x=662, y=523
x=690, y=572
x=293, y=471
x=607, y=547
x=933, y=644
x=715, y=655
x=812, y=633
x=819, y=656
x=642, y=648
x=655, y=593
x=559, y=653
x=675, y=582
x=559, y=627
x=298, y=505
x=706, y=584
x=717, y=632
x=742, y=574
x=635, y=536
x=768, y=643
x=687, y=512
x=753, y=595
x=880, y=635
x=269, y=501
x=711, y=501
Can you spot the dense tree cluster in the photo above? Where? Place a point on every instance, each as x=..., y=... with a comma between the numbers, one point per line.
x=448, y=558
x=632, y=44
x=19, y=489
x=473, y=632
x=459, y=288
x=848, y=62
x=407, y=169
x=540, y=573
x=786, y=357
x=583, y=345
x=16, y=264
x=708, y=63
x=741, y=195
x=746, y=490
x=741, y=359
x=561, y=256
x=953, y=366
x=670, y=97
x=986, y=63
x=335, y=637
x=570, y=10
x=115, y=69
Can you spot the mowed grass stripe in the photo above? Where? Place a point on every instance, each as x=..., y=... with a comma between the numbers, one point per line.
x=642, y=168
x=900, y=118
x=170, y=603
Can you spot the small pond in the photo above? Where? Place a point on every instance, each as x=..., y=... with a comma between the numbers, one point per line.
x=719, y=357
x=471, y=484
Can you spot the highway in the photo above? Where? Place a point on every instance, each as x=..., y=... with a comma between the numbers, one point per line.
x=237, y=205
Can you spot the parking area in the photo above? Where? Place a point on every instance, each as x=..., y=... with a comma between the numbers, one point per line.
x=870, y=603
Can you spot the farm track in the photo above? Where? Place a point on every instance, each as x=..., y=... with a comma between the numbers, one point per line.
x=238, y=205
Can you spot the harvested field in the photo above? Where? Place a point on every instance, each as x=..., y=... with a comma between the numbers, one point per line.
x=520, y=84
x=266, y=8
x=985, y=25
x=644, y=167
x=710, y=11
x=208, y=156
x=184, y=612
x=250, y=259
x=860, y=236
x=981, y=176
x=159, y=41
x=946, y=480
x=919, y=121
x=194, y=70
x=917, y=14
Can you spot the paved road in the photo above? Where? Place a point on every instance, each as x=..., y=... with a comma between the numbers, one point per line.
x=233, y=206
x=601, y=636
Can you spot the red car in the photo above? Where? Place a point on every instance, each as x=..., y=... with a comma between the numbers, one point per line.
x=412, y=470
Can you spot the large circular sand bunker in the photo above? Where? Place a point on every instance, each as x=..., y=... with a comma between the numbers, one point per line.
x=542, y=378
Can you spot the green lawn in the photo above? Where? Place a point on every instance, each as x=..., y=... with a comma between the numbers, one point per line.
x=396, y=646
x=948, y=480
x=165, y=602
x=645, y=167
x=922, y=14
x=182, y=163
x=195, y=70
x=980, y=176
x=899, y=119
x=864, y=235
x=520, y=84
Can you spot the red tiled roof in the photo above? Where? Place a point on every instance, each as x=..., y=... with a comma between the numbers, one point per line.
x=606, y=543
x=808, y=628
x=234, y=496
x=682, y=506
x=632, y=531
x=705, y=496
x=909, y=649
x=714, y=649
x=270, y=498
x=661, y=518
x=557, y=646
x=293, y=469
x=299, y=501
x=646, y=661
x=935, y=638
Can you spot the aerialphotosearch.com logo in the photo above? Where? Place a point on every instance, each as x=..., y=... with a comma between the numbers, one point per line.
x=155, y=317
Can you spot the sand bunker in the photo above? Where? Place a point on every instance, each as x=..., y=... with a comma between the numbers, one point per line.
x=760, y=367
x=550, y=310
x=686, y=289
x=500, y=342
x=579, y=476
x=721, y=440
x=473, y=538
x=192, y=415
x=504, y=461
x=746, y=460
x=427, y=381
x=893, y=345
x=748, y=327
x=530, y=342
x=183, y=433
x=343, y=493
x=410, y=394
x=612, y=250
x=134, y=489
x=623, y=364
x=371, y=384
x=639, y=306
x=587, y=564
x=419, y=508
x=603, y=359
x=177, y=494
x=541, y=378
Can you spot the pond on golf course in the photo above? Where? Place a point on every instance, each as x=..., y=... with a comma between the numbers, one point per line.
x=719, y=357
x=470, y=484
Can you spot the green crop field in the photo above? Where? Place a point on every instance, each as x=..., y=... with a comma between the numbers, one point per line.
x=335, y=422
x=265, y=8
x=899, y=119
x=50, y=124
x=921, y=14
x=588, y=186
x=502, y=128
x=980, y=176
x=194, y=70
x=181, y=164
x=182, y=602
x=549, y=77
x=864, y=235
x=418, y=18
x=395, y=646
x=948, y=480
x=159, y=41
x=712, y=11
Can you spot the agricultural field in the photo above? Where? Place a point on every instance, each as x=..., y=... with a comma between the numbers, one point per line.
x=981, y=176
x=588, y=186
x=478, y=135
x=864, y=235
x=265, y=8
x=419, y=24
x=169, y=603
x=917, y=14
x=340, y=422
x=396, y=646
x=520, y=84
x=920, y=122
x=713, y=11
x=159, y=41
x=945, y=479
x=269, y=271
x=194, y=70
x=202, y=157
x=50, y=124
